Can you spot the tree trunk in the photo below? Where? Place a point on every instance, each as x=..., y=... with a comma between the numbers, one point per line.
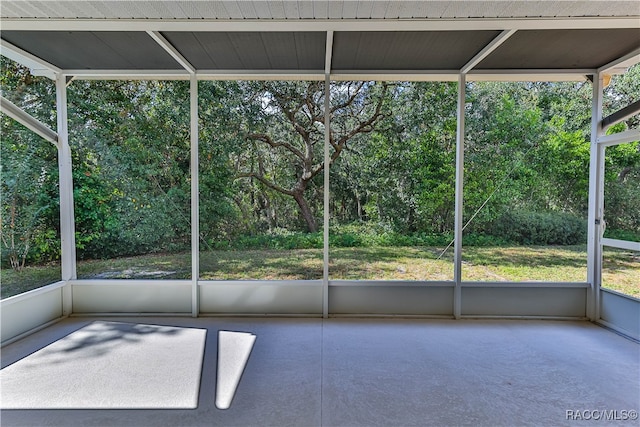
x=306, y=211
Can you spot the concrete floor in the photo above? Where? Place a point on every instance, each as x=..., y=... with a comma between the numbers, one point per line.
x=389, y=372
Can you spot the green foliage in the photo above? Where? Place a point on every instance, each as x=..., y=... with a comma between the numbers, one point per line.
x=261, y=160
x=540, y=228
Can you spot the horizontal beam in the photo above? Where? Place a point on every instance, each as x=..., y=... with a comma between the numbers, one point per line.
x=394, y=283
x=341, y=75
x=621, y=244
x=84, y=74
x=547, y=75
x=30, y=122
x=622, y=114
x=316, y=75
x=36, y=24
x=37, y=65
x=527, y=75
x=525, y=285
x=259, y=283
x=128, y=282
x=630, y=135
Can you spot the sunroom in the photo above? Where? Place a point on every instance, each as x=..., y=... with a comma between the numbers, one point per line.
x=220, y=62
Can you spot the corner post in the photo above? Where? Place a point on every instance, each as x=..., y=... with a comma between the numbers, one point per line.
x=596, y=203
x=67, y=219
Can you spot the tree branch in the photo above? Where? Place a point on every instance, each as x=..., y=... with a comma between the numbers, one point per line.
x=266, y=182
x=269, y=141
x=348, y=101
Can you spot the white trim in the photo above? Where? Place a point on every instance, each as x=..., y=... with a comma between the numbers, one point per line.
x=493, y=45
x=620, y=294
x=133, y=314
x=128, y=282
x=84, y=74
x=389, y=316
x=525, y=75
x=625, y=61
x=27, y=120
x=528, y=74
x=630, y=135
x=31, y=331
x=171, y=50
x=396, y=75
x=313, y=283
x=195, y=195
x=525, y=285
x=67, y=218
x=326, y=183
x=619, y=330
x=595, y=205
x=621, y=244
x=32, y=293
x=438, y=24
x=314, y=75
x=545, y=75
x=37, y=65
x=267, y=315
x=328, y=53
x=459, y=201
x=393, y=283
x=516, y=317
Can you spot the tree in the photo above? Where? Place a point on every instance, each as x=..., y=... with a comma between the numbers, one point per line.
x=291, y=126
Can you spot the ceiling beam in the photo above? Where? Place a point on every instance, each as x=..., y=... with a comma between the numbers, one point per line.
x=328, y=53
x=38, y=66
x=471, y=24
x=30, y=122
x=86, y=74
x=493, y=45
x=623, y=62
x=340, y=75
x=171, y=50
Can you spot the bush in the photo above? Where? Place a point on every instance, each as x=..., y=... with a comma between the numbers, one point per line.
x=540, y=228
x=630, y=235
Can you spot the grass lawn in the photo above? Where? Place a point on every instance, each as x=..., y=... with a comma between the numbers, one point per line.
x=621, y=270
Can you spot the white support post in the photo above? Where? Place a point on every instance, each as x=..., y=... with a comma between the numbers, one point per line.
x=596, y=204
x=457, y=272
x=195, y=201
x=327, y=164
x=67, y=219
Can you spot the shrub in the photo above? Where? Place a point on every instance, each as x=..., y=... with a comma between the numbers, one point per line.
x=540, y=228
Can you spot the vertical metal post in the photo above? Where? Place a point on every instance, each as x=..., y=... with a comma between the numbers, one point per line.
x=65, y=171
x=327, y=161
x=457, y=272
x=596, y=204
x=195, y=201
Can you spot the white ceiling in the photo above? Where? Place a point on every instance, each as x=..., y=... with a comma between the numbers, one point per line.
x=350, y=39
x=317, y=10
